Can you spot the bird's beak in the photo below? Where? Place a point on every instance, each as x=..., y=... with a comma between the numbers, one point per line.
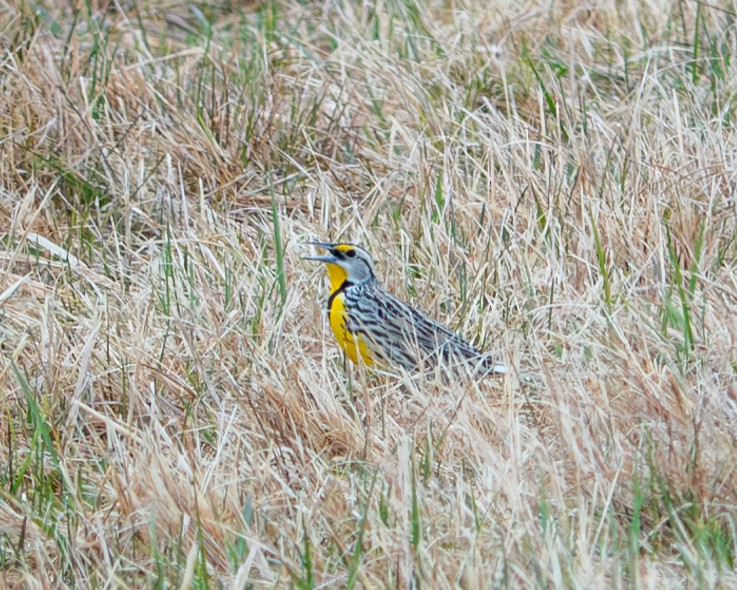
x=327, y=246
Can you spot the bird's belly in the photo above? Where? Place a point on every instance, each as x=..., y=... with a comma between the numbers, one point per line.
x=354, y=345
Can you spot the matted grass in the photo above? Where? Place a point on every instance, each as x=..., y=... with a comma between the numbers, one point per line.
x=553, y=180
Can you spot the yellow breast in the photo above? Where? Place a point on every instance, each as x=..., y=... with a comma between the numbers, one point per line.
x=354, y=345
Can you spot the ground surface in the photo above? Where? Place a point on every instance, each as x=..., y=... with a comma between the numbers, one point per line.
x=554, y=180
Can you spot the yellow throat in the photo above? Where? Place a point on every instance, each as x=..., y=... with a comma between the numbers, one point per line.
x=354, y=345
x=337, y=276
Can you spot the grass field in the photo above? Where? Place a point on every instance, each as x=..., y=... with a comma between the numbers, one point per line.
x=554, y=180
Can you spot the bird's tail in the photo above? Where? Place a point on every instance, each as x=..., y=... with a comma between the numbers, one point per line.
x=489, y=367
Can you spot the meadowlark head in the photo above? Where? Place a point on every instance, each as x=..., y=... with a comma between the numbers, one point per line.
x=345, y=262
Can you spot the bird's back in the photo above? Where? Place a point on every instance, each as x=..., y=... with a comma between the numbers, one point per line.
x=397, y=334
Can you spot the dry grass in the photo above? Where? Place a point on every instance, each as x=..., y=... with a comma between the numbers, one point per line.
x=554, y=180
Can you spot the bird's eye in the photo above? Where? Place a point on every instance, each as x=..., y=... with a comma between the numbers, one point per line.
x=351, y=253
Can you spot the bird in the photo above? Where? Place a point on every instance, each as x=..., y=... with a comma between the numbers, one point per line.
x=375, y=328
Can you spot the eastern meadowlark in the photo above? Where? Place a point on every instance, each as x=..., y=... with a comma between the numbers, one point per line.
x=370, y=323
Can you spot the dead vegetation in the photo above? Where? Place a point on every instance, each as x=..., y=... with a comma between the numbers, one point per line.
x=555, y=183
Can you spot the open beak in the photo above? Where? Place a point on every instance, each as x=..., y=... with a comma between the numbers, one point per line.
x=327, y=258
